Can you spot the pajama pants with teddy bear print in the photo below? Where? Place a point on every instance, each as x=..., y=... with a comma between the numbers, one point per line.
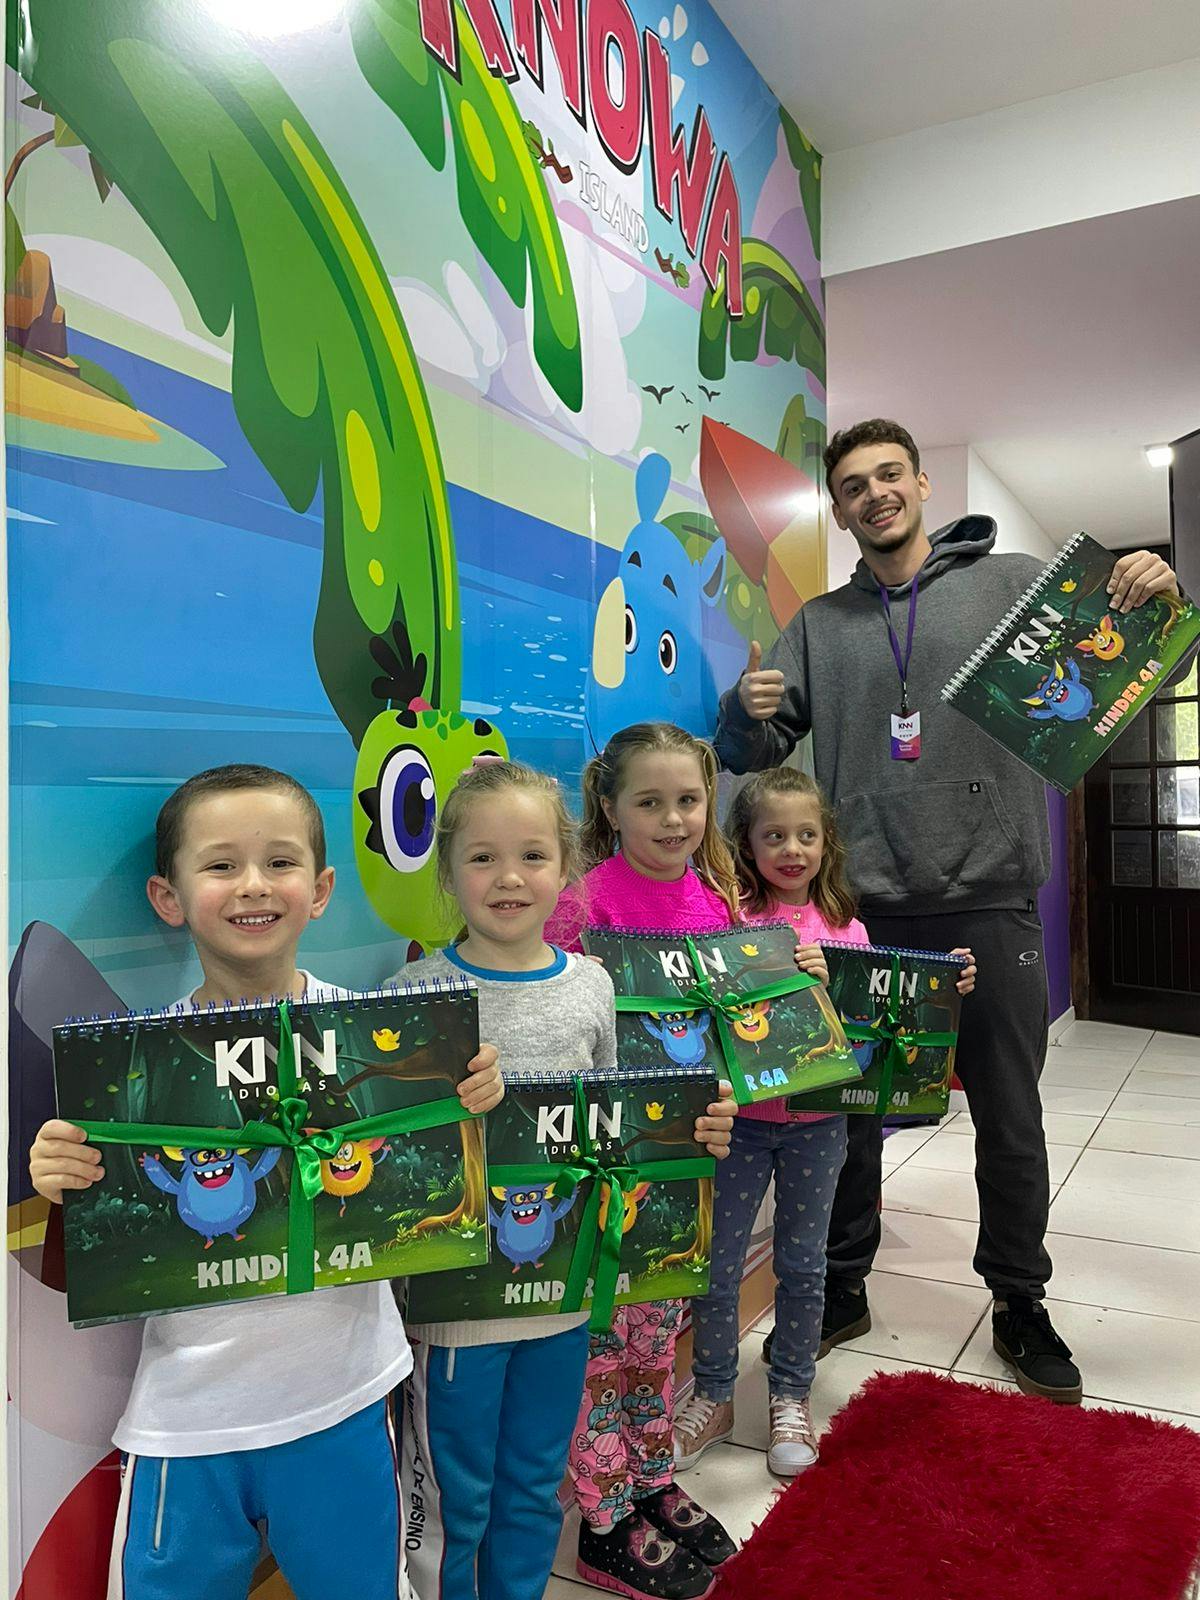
x=623, y=1447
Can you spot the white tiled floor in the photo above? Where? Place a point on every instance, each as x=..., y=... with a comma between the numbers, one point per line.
x=1123, y=1125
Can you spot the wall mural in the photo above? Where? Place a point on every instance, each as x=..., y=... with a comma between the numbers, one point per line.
x=387, y=381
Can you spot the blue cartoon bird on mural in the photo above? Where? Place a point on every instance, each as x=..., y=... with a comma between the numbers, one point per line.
x=215, y=1193
x=525, y=1225
x=1061, y=695
x=681, y=1034
x=648, y=662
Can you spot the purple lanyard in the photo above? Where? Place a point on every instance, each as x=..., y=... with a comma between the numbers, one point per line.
x=901, y=663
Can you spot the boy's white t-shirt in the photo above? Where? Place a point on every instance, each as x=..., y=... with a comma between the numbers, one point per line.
x=240, y=1377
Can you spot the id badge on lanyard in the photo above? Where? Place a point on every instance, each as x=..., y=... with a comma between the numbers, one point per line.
x=905, y=730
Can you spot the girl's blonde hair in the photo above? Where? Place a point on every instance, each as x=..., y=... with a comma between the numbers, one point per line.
x=499, y=777
x=829, y=892
x=604, y=776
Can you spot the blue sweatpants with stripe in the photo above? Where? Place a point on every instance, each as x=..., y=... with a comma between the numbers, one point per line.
x=329, y=1506
x=484, y=1449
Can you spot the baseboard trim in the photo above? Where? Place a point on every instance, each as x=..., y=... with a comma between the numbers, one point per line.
x=1060, y=1024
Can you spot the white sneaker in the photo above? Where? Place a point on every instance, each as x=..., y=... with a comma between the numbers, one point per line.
x=699, y=1424
x=793, y=1439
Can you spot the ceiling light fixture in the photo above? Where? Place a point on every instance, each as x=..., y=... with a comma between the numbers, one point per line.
x=1159, y=455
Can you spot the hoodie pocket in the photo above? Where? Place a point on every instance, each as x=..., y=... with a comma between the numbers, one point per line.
x=921, y=841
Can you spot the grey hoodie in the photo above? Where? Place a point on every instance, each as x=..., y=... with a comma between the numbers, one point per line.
x=963, y=828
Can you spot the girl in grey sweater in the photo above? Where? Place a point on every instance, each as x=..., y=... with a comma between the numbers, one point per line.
x=492, y=1405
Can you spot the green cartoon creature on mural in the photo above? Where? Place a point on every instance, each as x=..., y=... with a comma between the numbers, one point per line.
x=409, y=759
x=223, y=168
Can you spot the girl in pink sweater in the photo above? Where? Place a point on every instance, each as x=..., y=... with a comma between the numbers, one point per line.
x=659, y=862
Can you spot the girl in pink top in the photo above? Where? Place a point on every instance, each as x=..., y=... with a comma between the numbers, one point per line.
x=791, y=867
x=659, y=862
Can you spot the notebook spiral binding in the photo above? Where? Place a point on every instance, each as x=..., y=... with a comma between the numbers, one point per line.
x=606, y=1076
x=263, y=1006
x=942, y=956
x=678, y=935
x=977, y=657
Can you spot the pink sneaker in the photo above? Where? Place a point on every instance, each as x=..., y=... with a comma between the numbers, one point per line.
x=793, y=1438
x=699, y=1424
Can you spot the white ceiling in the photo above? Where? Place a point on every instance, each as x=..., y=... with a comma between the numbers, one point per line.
x=854, y=71
x=1056, y=355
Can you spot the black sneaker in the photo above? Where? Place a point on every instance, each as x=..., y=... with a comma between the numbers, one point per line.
x=687, y=1523
x=1022, y=1335
x=639, y=1560
x=846, y=1315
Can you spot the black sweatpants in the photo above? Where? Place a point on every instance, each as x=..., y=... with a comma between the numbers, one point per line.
x=1001, y=1049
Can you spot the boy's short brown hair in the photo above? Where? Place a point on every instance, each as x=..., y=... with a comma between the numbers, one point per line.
x=875, y=430
x=168, y=831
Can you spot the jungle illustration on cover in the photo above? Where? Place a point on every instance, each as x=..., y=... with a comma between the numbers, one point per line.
x=171, y=1227
x=733, y=1001
x=1058, y=680
x=913, y=993
x=666, y=1229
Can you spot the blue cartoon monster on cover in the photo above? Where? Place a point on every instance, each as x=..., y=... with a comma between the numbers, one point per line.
x=681, y=1034
x=526, y=1222
x=1061, y=695
x=863, y=1050
x=215, y=1193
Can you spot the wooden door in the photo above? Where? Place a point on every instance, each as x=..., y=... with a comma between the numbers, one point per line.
x=1142, y=809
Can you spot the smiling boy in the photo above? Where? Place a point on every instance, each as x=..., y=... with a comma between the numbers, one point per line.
x=270, y=1413
x=947, y=845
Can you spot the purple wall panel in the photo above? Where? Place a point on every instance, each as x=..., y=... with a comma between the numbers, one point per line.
x=1054, y=903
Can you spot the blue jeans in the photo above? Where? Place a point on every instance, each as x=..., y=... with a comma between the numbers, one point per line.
x=804, y=1158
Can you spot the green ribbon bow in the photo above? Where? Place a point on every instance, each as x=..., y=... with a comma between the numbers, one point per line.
x=593, y=1244
x=895, y=1040
x=725, y=1009
x=287, y=1131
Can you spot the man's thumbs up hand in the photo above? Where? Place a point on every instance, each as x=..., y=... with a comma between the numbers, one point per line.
x=759, y=691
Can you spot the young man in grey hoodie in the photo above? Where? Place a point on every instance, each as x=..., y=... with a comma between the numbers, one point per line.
x=947, y=844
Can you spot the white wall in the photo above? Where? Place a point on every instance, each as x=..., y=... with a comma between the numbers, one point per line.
x=946, y=469
x=1114, y=146
x=841, y=553
x=961, y=482
x=988, y=496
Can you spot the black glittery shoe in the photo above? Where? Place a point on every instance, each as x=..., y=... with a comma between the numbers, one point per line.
x=637, y=1559
x=688, y=1523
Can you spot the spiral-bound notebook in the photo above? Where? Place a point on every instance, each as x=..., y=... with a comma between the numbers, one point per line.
x=172, y=1226
x=1061, y=675
x=767, y=1042
x=881, y=989
x=633, y=1119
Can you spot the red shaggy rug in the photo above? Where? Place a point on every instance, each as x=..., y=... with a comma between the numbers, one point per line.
x=930, y=1489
